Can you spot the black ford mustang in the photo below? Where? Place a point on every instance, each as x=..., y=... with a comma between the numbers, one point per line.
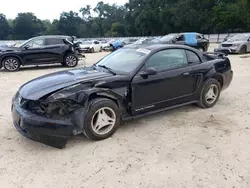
x=128, y=83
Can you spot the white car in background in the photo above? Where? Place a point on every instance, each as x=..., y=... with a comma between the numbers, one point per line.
x=91, y=46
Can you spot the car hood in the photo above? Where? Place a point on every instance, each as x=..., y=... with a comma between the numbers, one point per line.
x=41, y=86
x=233, y=42
x=9, y=49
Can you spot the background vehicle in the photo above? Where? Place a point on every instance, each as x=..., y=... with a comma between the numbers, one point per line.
x=239, y=43
x=195, y=40
x=107, y=46
x=128, y=41
x=142, y=41
x=91, y=46
x=40, y=50
x=113, y=45
x=128, y=83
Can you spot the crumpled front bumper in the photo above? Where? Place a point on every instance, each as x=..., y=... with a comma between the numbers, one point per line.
x=54, y=133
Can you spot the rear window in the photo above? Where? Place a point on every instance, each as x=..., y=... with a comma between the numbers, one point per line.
x=192, y=57
x=54, y=41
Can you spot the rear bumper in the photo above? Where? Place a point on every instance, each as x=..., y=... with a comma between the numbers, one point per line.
x=227, y=79
x=51, y=132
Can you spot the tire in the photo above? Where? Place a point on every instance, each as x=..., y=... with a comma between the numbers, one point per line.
x=70, y=60
x=92, y=50
x=208, y=98
x=110, y=112
x=243, y=49
x=11, y=64
x=100, y=49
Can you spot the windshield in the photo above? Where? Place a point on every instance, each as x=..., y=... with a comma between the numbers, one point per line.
x=124, y=60
x=167, y=38
x=240, y=37
x=23, y=43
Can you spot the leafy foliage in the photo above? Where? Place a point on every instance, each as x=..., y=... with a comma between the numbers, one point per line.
x=135, y=18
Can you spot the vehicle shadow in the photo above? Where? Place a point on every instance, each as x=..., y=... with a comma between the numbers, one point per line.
x=129, y=126
x=139, y=122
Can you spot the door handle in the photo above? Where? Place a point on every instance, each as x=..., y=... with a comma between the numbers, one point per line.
x=185, y=74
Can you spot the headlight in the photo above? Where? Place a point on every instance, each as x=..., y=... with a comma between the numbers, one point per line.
x=236, y=45
x=54, y=110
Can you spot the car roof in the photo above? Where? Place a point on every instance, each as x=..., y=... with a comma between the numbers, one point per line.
x=53, y=36
x=156, y=47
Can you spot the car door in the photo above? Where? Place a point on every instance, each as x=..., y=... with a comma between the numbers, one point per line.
x=54, y=49
x=33, y=51
x=172, y=84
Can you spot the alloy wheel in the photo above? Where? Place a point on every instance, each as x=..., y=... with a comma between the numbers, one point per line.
x=11, y=64
x=103, y=120
x=212, y=94
x=71, y=61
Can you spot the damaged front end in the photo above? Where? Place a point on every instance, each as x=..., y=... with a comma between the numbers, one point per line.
x=53, y=118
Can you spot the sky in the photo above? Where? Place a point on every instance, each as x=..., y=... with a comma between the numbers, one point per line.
x=48, y=9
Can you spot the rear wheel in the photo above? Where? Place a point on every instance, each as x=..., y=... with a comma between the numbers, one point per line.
x=210, y=94
x=70, y=60
x=92, y=50
x=243, y=49
x=11, y=64
x=102, y=119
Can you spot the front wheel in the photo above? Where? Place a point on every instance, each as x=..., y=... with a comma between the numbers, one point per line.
x=243, y=49
x=70, y=60
x=102, y=119
x=11, y=64
x=210, y=94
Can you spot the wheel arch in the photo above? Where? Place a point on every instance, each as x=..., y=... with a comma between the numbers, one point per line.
x=11, y=55
x=104, y=95
x=117, y=99
x=219, y=78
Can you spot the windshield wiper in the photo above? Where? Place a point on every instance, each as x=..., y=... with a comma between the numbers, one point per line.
x=107, y=68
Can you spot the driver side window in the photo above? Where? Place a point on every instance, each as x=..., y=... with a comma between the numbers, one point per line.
x=36, y=43
x=167, y=59
x=180, y=38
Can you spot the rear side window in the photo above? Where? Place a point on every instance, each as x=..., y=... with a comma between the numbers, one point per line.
x=192, y=57
x=54, y=41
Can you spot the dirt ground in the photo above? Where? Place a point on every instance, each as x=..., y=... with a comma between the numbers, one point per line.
x=186, y=147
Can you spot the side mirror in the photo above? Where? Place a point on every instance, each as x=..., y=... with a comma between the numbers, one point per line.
x=149, y=71
x=26, y=47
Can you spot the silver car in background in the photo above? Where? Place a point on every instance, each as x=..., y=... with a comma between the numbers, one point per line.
x=239, y=43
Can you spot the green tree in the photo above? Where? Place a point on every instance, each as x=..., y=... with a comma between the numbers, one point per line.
x=68, y=24
x=4, y=27
x=26, y=25
x=118, y=29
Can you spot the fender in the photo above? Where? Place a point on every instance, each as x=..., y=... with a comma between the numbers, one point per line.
x=212, y=74
x=78, y=117
x=10, y=55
